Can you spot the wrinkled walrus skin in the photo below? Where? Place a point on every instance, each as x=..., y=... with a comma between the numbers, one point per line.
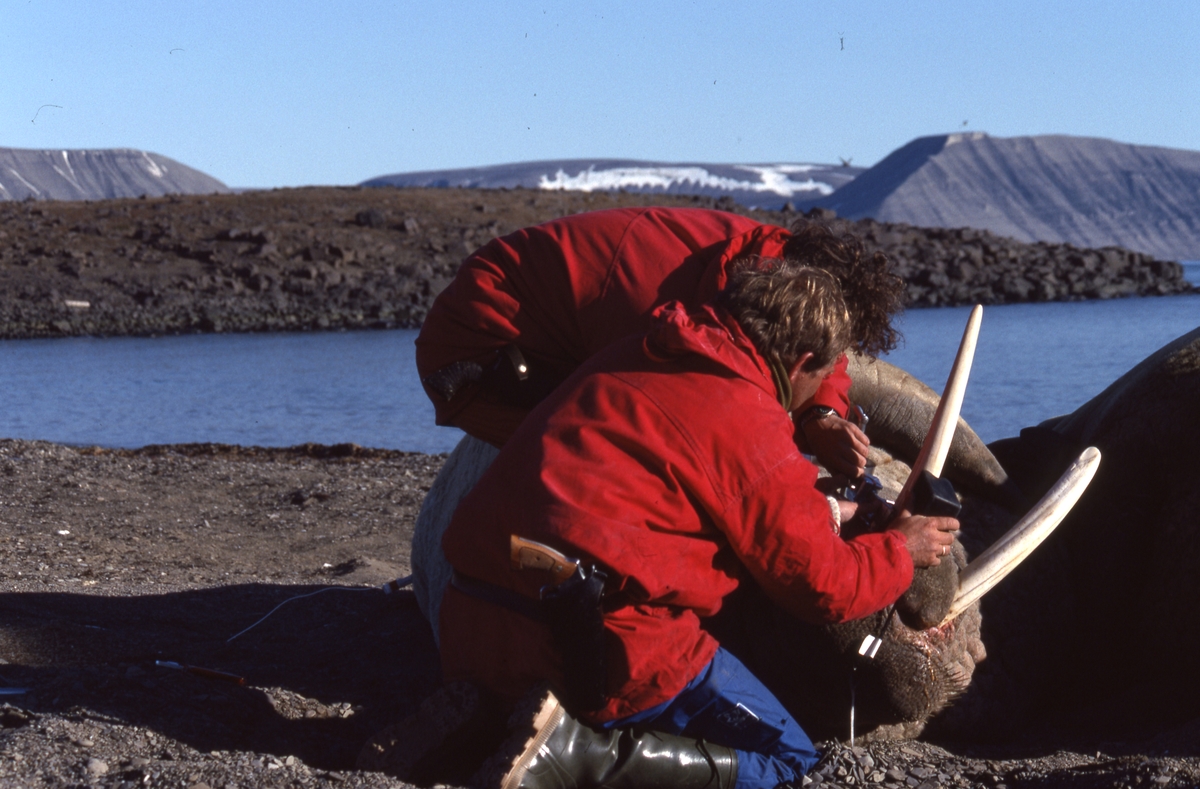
x=901, y=410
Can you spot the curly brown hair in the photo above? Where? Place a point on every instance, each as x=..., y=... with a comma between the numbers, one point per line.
x=788, y=309
x=873, y=294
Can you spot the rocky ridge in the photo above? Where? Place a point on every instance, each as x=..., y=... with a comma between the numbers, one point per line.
x=953, y=266
x=352, y=258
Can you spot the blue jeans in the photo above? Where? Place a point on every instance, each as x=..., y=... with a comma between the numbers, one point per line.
x=727, y=705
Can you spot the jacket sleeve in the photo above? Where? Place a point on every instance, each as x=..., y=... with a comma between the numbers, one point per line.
x=782, y=531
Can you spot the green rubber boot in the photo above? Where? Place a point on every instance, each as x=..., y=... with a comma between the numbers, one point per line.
x=445, y=741
x=551, y=750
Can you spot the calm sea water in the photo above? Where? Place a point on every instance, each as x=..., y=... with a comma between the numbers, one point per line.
x=1033, y=361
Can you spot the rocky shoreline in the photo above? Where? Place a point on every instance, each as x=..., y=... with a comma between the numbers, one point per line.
x=355, y=258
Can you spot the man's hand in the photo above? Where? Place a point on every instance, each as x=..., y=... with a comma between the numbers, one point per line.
x=928, y=539
x=840, y=445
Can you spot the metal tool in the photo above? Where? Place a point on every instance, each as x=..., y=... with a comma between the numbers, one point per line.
x=201, y=672
x=531, y=555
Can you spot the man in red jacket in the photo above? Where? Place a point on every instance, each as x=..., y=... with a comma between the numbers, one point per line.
x=527, y=309
x=666, y=466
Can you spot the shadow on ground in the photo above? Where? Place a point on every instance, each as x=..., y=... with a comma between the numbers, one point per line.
x=321, y=675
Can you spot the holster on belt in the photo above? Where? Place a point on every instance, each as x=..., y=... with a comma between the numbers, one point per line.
x=510, y=378
x=572, y=605
x=519, y=380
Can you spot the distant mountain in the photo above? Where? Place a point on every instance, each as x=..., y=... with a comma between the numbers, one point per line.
x=1084, y=191
x=754, y=185
x=97, y=175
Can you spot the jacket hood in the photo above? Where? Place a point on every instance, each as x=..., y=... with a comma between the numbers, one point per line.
x=710, y=332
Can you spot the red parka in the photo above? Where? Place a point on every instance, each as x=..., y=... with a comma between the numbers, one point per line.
x=668, y=461
x=565, y=289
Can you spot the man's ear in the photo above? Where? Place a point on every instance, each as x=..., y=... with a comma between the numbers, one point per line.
x=804, y=364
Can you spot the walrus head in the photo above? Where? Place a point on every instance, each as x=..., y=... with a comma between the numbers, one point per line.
x=817, y=671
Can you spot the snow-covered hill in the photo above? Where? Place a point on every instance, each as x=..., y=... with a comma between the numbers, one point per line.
x=97, y=175
x=1080, y=190
x=761, y=185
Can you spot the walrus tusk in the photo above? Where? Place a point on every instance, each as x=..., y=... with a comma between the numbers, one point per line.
x=991, y=566
x=932, y=456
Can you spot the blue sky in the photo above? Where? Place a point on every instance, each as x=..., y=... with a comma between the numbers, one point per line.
x=262, y=94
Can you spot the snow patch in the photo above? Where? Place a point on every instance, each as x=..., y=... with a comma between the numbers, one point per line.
x=67, y=162
x=772, y=179
x=70, y=174
x=775, y=179
x=17, y=175
x=153, y=167
x=967, y=137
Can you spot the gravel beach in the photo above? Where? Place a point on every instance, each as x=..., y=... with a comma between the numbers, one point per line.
x=113, y=562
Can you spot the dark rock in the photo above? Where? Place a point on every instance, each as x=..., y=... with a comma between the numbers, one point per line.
x=369, y=218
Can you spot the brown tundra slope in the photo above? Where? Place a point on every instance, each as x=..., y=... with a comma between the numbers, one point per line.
x=329, y=258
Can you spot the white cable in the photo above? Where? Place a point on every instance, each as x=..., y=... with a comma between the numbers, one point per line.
x=388, y=588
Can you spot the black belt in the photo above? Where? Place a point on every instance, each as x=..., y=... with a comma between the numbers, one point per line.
x=498, y=595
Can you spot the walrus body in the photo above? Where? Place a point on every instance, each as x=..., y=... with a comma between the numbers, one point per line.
x=1103, y=617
